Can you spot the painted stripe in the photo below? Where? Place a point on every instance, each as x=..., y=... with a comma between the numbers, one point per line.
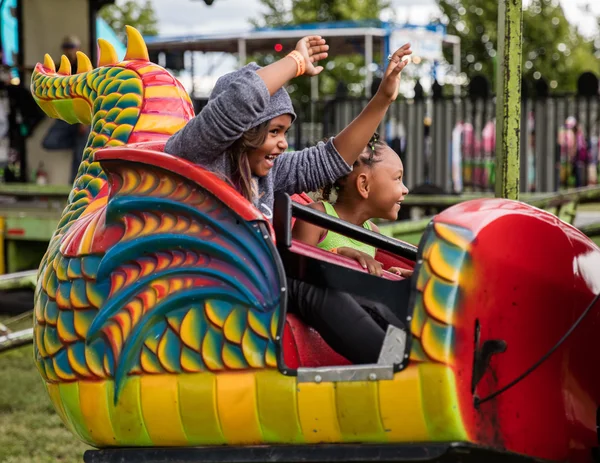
x=164, y=106
x=440, y=403
x=401, y=407
x=198, y=408
x=137, y=64
x=138, y=137
x=277, y=407
x=149, y=70
x=162, y=91
x=96, y=204
x=93, y=398
x=87, y=239
x=126, y=415
x=237, y=407
x=160, y=409
x=69, y=394
x=161, y=110
x=54, y=393
x=318, y=414
x=159, y=124
x=358, y=411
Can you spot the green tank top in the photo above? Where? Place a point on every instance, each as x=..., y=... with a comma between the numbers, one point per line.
x=335, y=240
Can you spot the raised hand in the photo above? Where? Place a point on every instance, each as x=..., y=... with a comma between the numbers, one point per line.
x=391, y=80
x=313, y=48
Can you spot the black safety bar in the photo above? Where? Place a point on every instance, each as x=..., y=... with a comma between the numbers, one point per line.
x=285, y=209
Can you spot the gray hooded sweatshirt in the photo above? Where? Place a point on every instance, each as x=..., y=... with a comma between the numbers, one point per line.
x=239, y=102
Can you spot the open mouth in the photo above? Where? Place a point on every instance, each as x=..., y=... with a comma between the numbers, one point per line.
x=270, y=160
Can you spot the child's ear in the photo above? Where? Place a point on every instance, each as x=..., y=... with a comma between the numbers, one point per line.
x=362, y=185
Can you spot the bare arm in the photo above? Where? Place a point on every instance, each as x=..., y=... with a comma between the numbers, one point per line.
x=306, y=232
x=351, y=141
x=227, y=116
x=311, y=234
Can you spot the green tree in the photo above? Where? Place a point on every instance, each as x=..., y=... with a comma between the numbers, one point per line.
x=596, y=42
x=348, y=69
x=552, y=48
x=138, y=14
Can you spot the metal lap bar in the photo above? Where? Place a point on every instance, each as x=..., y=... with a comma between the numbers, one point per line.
x=285, y=209
x=392, y=293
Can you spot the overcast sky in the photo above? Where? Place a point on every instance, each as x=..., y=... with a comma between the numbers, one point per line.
x=179, y=17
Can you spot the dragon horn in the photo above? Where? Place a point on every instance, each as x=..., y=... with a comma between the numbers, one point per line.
x=83, y=63
x=136, y=47
x=49, y=63
x=65, y=66
x=108, y=54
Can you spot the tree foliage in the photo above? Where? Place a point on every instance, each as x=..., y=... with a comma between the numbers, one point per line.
x=139, y=14
x=552, y=48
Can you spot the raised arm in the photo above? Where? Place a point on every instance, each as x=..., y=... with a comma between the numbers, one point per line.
x=351, y=141
x=233, y=111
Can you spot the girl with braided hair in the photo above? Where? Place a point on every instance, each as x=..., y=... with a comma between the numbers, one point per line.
x=374, y=189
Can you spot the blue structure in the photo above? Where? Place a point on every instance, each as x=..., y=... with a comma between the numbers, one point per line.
x=9, y=33
x=366, y=37
x=104, y=31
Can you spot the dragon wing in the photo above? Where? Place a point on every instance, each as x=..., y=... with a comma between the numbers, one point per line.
x=190, y=271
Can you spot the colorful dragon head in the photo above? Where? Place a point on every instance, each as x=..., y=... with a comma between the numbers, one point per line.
x=124, y=102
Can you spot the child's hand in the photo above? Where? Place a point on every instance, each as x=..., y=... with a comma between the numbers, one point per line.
x=391, y=80
x=403, y=272
x=313, y=48
x=365, y=260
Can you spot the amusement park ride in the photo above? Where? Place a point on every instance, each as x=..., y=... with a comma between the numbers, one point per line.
x=161, y=330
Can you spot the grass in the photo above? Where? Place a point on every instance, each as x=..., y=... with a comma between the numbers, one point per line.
x=30, y=429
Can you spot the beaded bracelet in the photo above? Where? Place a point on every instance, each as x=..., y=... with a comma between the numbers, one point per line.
x=300, y=63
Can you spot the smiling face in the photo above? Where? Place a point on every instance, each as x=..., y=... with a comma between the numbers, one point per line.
x=382, y=185
x=262, y=159
x=388, y=189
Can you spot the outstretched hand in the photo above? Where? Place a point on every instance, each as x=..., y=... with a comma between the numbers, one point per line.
x=391, y=80
x=313, y=48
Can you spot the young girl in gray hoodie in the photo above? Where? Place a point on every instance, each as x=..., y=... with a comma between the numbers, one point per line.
x=241, y=135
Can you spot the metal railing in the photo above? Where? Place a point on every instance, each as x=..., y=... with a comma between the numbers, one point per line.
x=450, y=143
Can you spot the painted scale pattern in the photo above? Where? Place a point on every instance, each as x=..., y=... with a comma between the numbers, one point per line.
x=101, y=306
x=442, y=278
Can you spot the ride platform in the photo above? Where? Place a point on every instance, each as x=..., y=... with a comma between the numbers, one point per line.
x=451, y=452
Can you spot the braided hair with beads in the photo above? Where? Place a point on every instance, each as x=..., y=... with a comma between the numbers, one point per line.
x=370, y=155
